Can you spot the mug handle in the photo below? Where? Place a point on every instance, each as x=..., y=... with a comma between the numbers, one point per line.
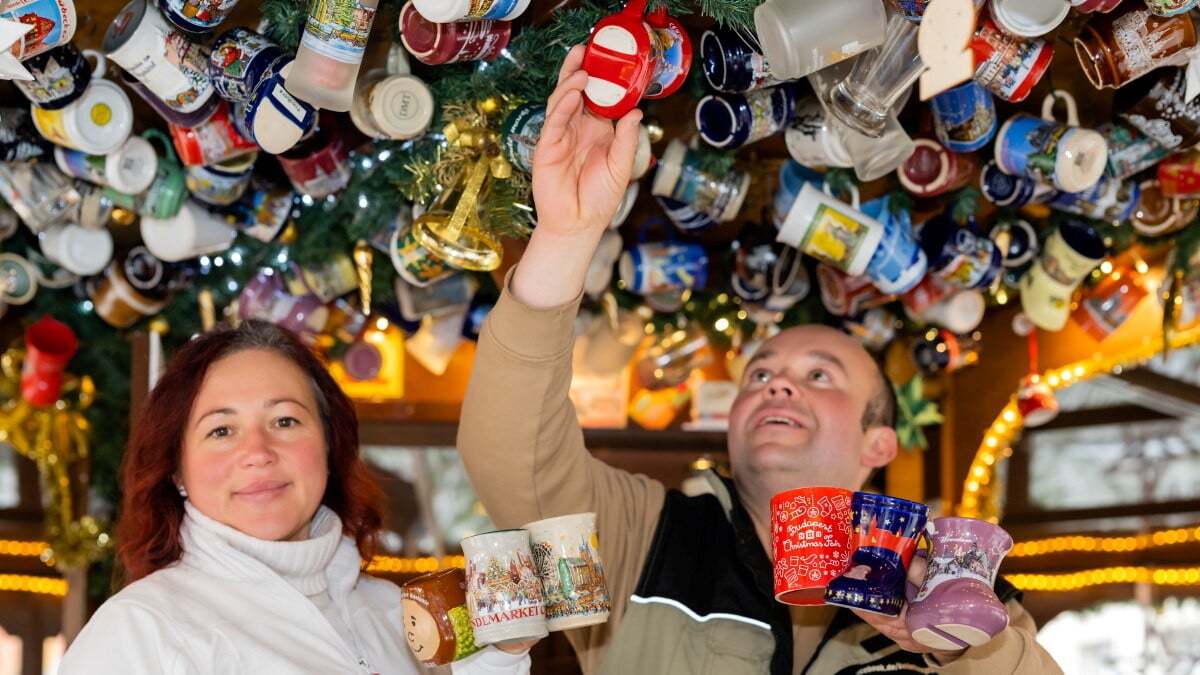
x=101, y=66
x=778, y=284
x=854, y=196
x=1069, y=100
x=397, y=60
x=656, y=221
x=168, y=145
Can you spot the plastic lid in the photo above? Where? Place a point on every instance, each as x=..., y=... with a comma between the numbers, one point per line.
x=131, y=169
x=103, y=117
x=401, y=106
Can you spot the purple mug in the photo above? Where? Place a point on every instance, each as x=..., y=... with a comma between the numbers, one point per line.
x=956, y=607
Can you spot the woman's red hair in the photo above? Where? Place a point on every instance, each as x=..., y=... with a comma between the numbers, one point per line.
x=148, y=532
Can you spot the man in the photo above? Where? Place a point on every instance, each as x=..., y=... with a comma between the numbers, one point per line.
x=690, y=577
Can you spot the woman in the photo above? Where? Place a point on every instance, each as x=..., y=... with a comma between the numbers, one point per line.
x=246, y=518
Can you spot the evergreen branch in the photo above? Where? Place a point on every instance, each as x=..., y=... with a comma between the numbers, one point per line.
x=285, y=20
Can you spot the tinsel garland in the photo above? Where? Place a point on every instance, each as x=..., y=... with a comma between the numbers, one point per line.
x=56, y=438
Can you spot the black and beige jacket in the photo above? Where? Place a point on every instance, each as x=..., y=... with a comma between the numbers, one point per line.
x=690, y=583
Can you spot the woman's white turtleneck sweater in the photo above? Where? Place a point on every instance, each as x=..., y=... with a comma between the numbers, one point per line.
x=236, y=604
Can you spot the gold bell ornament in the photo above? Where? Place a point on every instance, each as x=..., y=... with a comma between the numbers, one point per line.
x=451, y=229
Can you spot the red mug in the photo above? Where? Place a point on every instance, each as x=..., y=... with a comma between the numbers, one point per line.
x=657, y=66
x=212, y=141
x=1009, y=66
x=49, y=345
x=319, y=165
x=810, y=537
x=933, y=170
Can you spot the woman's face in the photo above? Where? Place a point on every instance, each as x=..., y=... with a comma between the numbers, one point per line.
x=254, y=453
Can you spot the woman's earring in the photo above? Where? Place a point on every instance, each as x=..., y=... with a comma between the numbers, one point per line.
x=182, y=490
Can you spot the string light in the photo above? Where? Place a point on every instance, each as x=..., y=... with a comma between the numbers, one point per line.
x=417, y=565
x=24, y=583
x=979, y=499
x=28, y=549
x=1181, y=576
x=1080, y=543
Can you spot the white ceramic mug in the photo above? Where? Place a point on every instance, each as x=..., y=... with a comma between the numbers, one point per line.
x=831, y=230
x=567, y=557
x=159, y=56
x=1028, y=18
x=97, y=123
x=191, y=233
x=130, y=168
x=504, y=593
x=78, y=249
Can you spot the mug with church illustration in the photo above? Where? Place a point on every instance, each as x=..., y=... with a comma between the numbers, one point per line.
x=504, y=594
x=964, y=118
x=53, y=23
x=60, y=75
x=567, y=556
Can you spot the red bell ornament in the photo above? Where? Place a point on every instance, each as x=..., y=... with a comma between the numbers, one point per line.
x=630, y=56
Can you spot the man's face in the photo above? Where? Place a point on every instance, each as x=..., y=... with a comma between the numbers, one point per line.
x=798, y=415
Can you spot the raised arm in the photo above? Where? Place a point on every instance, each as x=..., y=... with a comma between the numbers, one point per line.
x=581, y=168
x=519, y=435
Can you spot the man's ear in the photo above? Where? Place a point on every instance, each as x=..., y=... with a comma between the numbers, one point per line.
x=880, y=446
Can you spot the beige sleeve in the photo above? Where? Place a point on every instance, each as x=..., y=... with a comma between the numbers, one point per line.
x=1015, y=650
x=524, y=449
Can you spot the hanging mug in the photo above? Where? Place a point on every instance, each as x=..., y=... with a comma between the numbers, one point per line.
x=60, y=75
x=831, y=230
x=97, y=122
x=664, y=266
x=167, y=61
x=1071, y=158
x=1067, y=257
x=53, y=24
x=630, y=56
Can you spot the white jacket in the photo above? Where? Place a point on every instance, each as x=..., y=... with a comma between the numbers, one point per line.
x=221, y=609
